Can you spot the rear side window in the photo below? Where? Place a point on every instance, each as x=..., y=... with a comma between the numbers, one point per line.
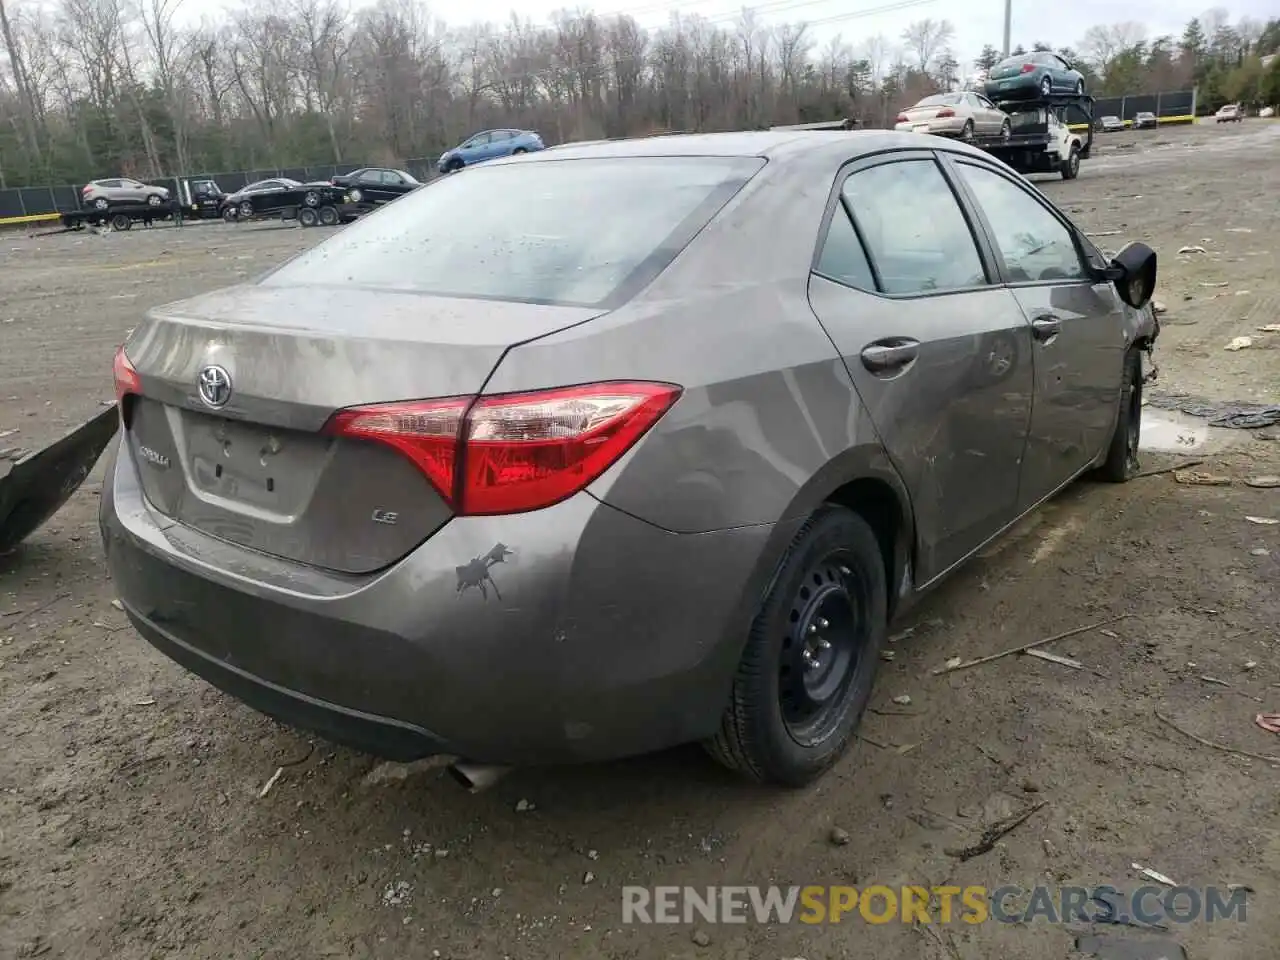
x=588, y=232
x=918, y=238
x=842, y=258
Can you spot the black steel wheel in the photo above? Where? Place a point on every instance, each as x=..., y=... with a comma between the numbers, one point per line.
x=307, y=217
x=1122, y=461
x=329, y=216
x=810, y=660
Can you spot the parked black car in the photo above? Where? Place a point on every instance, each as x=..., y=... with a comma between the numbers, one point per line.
x=280, y=194
x=375, y=185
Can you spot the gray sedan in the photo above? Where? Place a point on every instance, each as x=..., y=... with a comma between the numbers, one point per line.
x=591, y=452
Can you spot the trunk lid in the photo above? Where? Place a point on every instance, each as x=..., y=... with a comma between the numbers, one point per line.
x=257, y=471
x=922, y=114
x=1003, y=72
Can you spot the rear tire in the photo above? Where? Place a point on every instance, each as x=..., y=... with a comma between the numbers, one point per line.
x=121, y=222
x=810, y=659
x=329, y=216
x=307, y=217
x=154, y=199
x=1071, y=167
x=1006, y=131
x=966, y=132
x=518, y=150
x=1122, y=463
x=229, y=214
x=1046, y=86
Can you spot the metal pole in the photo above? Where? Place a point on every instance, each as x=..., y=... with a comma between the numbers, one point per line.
x=1008, y=24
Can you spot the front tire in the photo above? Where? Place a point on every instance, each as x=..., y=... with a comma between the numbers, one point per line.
x=1122, y=463
x=1046, y=86
x=1080, y=88
x=810, y=660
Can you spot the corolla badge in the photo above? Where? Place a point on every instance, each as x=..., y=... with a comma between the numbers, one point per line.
x=214, y=384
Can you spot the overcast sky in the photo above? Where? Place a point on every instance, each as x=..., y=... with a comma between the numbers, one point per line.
x=976, y=21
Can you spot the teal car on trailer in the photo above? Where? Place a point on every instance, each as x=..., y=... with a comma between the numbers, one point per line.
x=1038, y=74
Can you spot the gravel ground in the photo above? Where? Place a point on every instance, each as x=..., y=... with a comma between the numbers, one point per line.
x=131, y=824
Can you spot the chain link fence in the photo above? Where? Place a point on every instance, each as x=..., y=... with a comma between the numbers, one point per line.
x=22, y=202
x=1177, y=106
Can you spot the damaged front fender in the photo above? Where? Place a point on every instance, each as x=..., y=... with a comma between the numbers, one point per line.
x=36, y=487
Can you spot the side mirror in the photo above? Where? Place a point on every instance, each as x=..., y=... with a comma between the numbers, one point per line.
x=1133, y=271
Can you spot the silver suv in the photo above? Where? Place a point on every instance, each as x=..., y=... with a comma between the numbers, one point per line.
x=103, y=193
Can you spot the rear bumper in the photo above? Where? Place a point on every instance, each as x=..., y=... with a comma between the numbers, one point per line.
x=946, y=127
x=598, y=636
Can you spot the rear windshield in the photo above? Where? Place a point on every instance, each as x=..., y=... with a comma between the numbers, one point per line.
x=939, y=100
x=588, y=232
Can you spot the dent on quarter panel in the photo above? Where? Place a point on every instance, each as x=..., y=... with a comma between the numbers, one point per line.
x=760, y=415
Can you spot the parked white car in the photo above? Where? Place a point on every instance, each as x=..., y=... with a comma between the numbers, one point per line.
x=1231, y=113
x=1112, y=124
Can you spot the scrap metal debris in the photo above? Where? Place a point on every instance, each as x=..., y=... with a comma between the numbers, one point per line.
x=1153, y=875
x=1239, y=343
x=1267, y=481
x=1055, y=658
x=1264, y=521
x=1238, y=416
x=1193, y=250
x=34, y=488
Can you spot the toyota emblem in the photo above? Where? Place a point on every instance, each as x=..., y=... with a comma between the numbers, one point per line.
x=215, y=386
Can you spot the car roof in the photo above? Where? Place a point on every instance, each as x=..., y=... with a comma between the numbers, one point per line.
x=773, y=145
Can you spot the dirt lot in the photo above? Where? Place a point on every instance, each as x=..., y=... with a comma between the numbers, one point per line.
x=130, y=819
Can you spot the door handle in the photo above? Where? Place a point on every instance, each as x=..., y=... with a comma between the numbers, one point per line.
x=889, y=355
x=1045, y=327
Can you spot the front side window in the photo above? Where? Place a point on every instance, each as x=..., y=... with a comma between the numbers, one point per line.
x=1035, y=244
x=915, y=232
x=588, y=232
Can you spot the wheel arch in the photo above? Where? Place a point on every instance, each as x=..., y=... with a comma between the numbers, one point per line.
x=864, y=480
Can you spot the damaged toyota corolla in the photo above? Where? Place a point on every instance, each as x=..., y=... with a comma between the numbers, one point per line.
x=593, y=452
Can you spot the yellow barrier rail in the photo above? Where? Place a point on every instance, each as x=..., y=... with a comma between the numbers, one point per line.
x=33, y=218
x=1160, y=122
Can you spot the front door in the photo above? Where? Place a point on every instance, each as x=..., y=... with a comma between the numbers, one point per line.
x=938, y=353
x=1077, y=328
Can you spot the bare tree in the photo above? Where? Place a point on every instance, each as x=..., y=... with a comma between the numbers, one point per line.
x=926, y=38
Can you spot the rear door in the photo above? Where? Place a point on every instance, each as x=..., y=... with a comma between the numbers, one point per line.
x=1077, y=325
x=938, y=352
x=993, y=119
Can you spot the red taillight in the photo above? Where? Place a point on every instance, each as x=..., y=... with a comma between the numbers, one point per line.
x=946, y=112
x=1028, y=68
x=902, y=118
x=512, y=453
x=126, y=378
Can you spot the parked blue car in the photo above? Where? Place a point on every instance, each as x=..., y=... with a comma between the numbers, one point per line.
x=488, y=145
